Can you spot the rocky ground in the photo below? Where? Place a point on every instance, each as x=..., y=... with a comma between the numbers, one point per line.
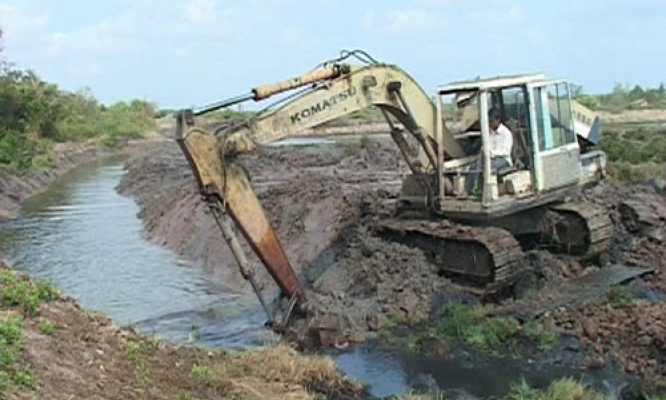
x=322, y=201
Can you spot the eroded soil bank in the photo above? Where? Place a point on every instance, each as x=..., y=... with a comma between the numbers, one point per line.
x=323, y=201
x=53, y=349
x=15, y=189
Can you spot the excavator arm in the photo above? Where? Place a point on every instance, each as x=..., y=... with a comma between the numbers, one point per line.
x=336, y=91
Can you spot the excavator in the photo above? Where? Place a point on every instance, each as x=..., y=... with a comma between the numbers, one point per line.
x=476, y=234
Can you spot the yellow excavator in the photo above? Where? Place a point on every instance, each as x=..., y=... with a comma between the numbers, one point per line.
x=474, y=233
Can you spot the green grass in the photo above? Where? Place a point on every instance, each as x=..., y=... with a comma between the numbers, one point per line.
x=619, y=297
x=18, y=291
x=561, y=389
x=134, y=351
x=469, y=325
x=12, y=370
x=187, y=396
x=46, y=327
x=202, y=372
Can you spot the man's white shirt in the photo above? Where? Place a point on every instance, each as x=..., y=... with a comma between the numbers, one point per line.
x=501, y=142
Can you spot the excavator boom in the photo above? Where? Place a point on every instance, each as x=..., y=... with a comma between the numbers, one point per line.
x=225, y=184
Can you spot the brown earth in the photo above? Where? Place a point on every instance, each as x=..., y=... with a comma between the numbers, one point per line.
x=86, y=357
x=322, y=202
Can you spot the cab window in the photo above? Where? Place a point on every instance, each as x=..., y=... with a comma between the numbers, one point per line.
x=553, y=116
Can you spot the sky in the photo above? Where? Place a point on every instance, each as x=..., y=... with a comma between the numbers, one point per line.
x=184, y=53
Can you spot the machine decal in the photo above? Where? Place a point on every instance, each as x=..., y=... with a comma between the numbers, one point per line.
x=323, y=105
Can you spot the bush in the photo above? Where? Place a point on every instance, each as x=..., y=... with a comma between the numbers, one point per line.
x=35, y=113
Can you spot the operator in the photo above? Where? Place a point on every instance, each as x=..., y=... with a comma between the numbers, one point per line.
x=500, y=144
x=500, y=141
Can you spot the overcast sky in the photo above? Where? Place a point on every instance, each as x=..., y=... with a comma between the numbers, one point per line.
x=190, y=52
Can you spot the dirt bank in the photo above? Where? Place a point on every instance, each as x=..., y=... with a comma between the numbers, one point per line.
x=323, y=200
x=53, y=349
x=15, y=189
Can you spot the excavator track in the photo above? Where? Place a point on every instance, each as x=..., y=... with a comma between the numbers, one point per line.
x=484, y=258
x=581, y=229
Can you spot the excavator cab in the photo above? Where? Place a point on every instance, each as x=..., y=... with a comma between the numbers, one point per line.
x=546, y=162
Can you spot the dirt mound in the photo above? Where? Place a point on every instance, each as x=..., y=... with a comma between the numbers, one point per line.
x=373, y=284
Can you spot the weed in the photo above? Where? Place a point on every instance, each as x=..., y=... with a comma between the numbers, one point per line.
x=5, y=384
x=11, y=342
x=542, y=337
x=18, y=291
x=187, y=396
x=46, y=327
x=202, y=372
x=561, y=389
x=134, y=353
x=23, y=378
x=469, y=325
x=619, y=297
x=12, y=372
x=195, y=334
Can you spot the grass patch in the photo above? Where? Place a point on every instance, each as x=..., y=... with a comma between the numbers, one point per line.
x=46, y=327
x=134, y=352
x=561, y=389
x=469, y=325
x=187, y=396
x=17, y=290
x=619, y=297
x=12, y=370
x=202, y=372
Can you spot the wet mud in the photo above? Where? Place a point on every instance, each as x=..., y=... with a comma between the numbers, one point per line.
x=324, y=200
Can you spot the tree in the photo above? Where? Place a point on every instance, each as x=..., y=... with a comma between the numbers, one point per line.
x=636, y=93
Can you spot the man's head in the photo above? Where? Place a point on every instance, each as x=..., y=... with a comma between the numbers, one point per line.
x=494, y=118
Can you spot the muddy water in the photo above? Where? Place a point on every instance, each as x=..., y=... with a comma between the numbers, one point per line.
x=88, y=240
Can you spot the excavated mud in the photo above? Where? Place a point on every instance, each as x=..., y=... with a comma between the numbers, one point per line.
x=323, y=202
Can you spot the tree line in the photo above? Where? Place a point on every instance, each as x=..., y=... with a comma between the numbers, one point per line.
x=35, y=114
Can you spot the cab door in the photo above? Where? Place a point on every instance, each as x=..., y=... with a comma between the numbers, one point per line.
x=557, y=158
